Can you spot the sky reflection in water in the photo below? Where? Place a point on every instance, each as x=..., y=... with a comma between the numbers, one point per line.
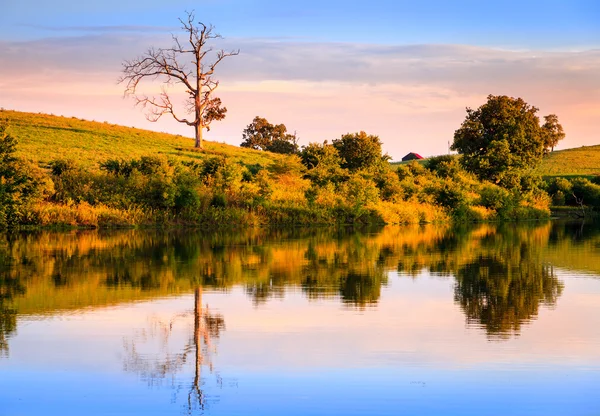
x=490, y=320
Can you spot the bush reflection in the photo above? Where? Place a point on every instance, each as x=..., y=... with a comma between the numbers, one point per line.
x=503, y=273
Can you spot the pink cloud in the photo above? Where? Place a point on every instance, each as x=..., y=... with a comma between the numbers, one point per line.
x=412, y=96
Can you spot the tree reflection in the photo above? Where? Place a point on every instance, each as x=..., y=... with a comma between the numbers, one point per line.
x=10, y=287
x=502, y=272
x=155, y=366
x=8, y=316
x=502, y=296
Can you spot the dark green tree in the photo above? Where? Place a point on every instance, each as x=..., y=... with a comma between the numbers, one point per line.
x=360, y=151
x=323, y=163
x=553, y=132
x=262, y=135
x=11, y=178
x=500, y=140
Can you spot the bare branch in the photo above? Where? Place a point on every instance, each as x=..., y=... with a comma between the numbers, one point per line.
x=169, y=65
x=157, y=107
x=220, y=56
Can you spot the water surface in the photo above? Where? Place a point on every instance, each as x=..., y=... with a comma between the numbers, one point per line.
x=490, y=319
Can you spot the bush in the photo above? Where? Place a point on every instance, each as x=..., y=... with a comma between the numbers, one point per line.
x=442, y=166
x=493, y=197
x=60, y=166
x=450, y=195
x=118, y=167
x=359, y=191
x=586, y=192
x=21, y=182
x=359, y=151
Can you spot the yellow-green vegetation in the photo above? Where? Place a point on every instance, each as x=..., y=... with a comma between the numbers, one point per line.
x=581, y=161
x=43, y=138
x=78, y=173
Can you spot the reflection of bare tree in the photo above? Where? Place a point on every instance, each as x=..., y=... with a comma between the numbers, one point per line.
x=160, y=364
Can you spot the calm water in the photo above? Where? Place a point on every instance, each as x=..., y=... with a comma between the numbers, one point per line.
x=478, y=320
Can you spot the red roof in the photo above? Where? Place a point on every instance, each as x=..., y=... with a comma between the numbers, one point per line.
x=413, y=156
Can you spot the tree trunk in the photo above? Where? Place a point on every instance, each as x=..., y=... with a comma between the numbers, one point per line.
x=198, y=130
x=198, y=335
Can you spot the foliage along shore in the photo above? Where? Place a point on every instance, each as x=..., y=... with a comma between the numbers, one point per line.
x=159, y=180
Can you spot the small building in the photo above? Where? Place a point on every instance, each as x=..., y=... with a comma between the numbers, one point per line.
x=412, y=156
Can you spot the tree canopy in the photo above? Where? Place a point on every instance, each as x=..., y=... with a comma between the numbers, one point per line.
x=359, y=150
x=501, y=139
x=553, y=132
x=262, y=135
x=11, y=177
x=323, y=163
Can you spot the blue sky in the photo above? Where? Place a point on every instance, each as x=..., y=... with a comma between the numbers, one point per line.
x=509, y=23
x=402, y=70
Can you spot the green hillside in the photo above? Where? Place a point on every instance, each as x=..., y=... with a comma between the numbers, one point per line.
x=43, y=138
x=582, y=161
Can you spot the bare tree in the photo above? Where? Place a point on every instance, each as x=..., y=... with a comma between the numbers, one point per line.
x=187, y=63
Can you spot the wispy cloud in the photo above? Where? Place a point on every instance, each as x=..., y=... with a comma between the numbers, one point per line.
x=416, y=91
x=105, y=29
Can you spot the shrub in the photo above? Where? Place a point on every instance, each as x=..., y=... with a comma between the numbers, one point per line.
x=60, y=166
x=118, y=167
x=493, y=197
x=21, y=182
x=586, y=191
x=442, y=165
x=359, y=151
x=359, y=191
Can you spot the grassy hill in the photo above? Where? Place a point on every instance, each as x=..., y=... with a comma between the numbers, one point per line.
x=43, y=138
x=582, y=161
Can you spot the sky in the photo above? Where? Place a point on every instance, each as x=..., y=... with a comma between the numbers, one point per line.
x=402, y=70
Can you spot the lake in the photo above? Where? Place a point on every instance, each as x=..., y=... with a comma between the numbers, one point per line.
x=425, y=320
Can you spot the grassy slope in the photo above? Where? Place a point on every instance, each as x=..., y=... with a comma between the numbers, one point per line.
x=42, y=138
x=582, y=161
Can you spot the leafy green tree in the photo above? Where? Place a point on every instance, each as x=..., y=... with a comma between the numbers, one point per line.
x=500, y=139
x=323, y=163
x=11, y=178
x=443, y=165
x=262, y=135
x=360, y=151
x=553, y=132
